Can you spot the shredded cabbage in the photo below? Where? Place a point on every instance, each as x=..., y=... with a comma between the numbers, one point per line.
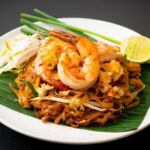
x=63, y=100
x=17, y=51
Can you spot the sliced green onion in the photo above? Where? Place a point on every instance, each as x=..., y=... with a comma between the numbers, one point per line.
x=125, y=59
x=132, y=89
x=34, y=92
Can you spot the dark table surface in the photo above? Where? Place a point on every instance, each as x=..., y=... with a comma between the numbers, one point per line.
x=133, y=14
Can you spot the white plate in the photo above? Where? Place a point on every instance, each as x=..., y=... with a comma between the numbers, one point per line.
x=63, y=134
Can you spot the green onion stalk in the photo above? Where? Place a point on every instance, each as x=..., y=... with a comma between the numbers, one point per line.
x=52, y=20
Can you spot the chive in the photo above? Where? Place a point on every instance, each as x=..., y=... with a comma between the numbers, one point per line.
x=43, y=14
x=21, y=80
x=24, y=15
x=132, y=89
x=34, y=26
x=27, y=32
x=125, y=59
x=47, y=16
x=32, y=89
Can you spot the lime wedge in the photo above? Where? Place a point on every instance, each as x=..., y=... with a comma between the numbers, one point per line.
x=137, y=49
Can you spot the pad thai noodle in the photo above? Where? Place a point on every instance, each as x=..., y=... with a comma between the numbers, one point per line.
x=74, y=80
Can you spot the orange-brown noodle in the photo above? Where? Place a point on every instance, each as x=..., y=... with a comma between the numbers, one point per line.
x=110, y=83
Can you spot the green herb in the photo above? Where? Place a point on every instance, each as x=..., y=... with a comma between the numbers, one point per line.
x=21, y=80
x=47, y=16
x=24, y=15
x=16, y=100
x=16, y=70
x=27, y=32
x=132, y=89
x=34, y=26
x=125, y=59
x=32, y=88
x=52, y=20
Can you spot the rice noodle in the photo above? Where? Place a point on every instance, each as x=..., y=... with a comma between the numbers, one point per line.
x=62, y=100
x=115, y=89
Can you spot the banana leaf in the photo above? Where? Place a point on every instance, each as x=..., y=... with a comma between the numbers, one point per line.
x=130, y=121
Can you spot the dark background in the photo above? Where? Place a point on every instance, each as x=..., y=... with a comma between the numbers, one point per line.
x=134, y=14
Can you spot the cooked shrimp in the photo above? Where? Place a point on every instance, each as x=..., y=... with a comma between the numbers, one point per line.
x=107, y=52
x=47, y=59
x=78, y=68
x=111, y=72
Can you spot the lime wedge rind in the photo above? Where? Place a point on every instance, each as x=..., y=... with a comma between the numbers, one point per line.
x=137, y=49
x=139, y=61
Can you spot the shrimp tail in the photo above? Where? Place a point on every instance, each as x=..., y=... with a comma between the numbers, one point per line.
x=65, y=36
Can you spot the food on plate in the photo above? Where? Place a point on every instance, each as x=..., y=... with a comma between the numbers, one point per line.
x=69, y=78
